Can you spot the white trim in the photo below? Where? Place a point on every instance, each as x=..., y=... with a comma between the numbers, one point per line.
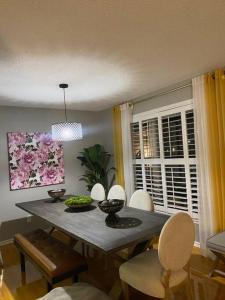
x=6, y=242
x=142, y=115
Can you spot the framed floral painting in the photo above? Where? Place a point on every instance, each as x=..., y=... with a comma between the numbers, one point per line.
x=34, y=160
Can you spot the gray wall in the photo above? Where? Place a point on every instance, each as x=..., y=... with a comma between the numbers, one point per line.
x=96, y=129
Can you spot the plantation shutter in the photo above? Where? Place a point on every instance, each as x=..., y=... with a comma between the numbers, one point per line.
x=153, y=177
x=176, y=187
x=164, y=158
x=150, y=138
x=172, y=136
x=135, y=138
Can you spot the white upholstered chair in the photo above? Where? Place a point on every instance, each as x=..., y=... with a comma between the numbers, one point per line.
x=117, y=192
x=98, y=192
x=80, y=291
x=141, y=200
x=157, y=272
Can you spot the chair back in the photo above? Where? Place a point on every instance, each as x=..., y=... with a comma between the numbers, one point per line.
x=98, y=192
x=141, y=200
x=176, y=242
x=117, y=192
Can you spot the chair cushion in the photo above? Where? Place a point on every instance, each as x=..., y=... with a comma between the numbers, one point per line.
x=217, y=242
x=144, y=271
x=51, y=255
x=79, y=291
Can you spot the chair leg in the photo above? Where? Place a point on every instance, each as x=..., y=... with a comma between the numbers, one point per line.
x=1, y=260
x=189, y=291
x=49, y=286
x=125, y=289
x=167, y=294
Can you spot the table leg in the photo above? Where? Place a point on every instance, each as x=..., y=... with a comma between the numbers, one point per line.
x=116, y=290
x=51, y=230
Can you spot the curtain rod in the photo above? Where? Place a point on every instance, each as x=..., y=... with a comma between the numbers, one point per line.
x=163, y=93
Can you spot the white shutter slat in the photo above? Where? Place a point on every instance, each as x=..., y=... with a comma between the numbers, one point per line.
x=138, y=178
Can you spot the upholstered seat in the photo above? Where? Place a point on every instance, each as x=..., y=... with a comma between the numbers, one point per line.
x=54, y=259
x=143, y=272
x=79, y=291
x=140, y=199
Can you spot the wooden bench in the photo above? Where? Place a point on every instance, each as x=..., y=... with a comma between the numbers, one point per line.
x=216, y=244
x=55, y=260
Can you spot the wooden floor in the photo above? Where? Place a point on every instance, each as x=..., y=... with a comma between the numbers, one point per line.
x=13, y=287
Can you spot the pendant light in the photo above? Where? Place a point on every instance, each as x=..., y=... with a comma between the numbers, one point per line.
x=66, y=131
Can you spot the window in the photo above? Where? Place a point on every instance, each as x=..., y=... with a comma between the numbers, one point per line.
x=164, y=159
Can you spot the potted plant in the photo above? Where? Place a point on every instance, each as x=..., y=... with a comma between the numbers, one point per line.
x=96, y=160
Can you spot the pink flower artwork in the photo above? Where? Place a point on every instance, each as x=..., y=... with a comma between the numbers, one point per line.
x=34, y=160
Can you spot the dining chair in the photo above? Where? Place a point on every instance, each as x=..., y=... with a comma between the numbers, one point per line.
x=98, y=192
x=158, y=272
x=79, y=291
x=141, y=200
x=117, y=192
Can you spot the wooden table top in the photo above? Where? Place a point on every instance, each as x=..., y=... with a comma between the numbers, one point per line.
x=89, y=225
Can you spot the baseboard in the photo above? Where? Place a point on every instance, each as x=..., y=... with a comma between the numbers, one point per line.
x=3, y=243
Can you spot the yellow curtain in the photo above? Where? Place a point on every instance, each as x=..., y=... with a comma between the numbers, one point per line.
x=215, y=110
x=118, y=148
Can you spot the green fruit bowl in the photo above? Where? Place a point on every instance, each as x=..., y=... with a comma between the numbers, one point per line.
x=78, y=201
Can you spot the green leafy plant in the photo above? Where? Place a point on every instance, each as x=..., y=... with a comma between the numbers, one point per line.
x=96, y=160
x=78, y=200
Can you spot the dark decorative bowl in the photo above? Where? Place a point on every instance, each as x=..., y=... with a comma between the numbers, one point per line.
x=56, y=194
x=111, y=207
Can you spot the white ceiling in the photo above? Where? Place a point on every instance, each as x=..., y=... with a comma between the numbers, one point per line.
x=108, y=51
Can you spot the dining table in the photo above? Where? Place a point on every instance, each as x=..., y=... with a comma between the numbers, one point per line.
x=136, y=227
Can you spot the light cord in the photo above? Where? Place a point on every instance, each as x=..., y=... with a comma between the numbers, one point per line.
x=64, y=94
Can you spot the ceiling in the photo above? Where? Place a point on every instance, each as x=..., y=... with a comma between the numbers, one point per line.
x=108, y=51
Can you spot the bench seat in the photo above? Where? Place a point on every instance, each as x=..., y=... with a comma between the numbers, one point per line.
x=216, y=243
x=53, y=258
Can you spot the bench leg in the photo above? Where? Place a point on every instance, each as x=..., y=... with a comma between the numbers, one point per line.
x=75, y=278
x=22, y=263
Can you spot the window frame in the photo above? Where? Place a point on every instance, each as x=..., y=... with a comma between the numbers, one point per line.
x=179, y=107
